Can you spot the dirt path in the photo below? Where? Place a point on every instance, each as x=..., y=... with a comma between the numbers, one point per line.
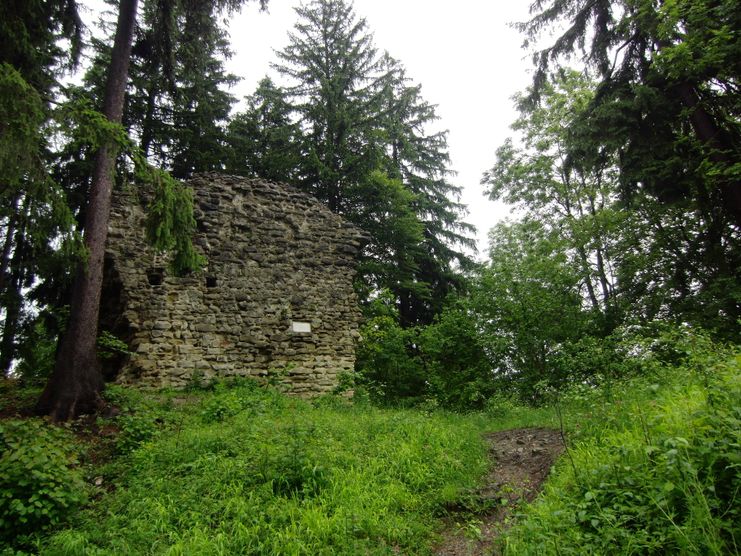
x=521, y=460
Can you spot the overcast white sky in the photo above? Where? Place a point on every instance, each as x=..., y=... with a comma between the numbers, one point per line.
x=464, y=54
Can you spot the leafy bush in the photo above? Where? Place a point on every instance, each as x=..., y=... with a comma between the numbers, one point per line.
x=135, y=430
x=656, y=462
x=39, y=483
x=455, y=364
x=386, y=362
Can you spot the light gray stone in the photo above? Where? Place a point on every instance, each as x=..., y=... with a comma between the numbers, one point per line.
x=275, y=256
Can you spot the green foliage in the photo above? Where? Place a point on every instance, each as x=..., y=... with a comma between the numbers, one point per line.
x=110, y=346
x=40, y=486
x=36, y=223
x=36, y=352
x=526, y=304
x=572, y=194
x=170, y=220
x=654, y=464
x=21, y=110
x=443, y=364
x=178, y=101
x=457, y=369
x=365, y=151
x=263, y=140
x=81, y=121
x=386, y=362
x=41, y=41
x=279, y=475
x=665, y=114
x=134, y=430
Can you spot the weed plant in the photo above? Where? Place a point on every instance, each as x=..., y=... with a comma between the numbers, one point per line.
x=654, y=466
x=40, y=484
x=246, y=470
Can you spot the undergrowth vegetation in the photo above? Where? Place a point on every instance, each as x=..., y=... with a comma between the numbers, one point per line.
x=246, y=470
x=654, y=466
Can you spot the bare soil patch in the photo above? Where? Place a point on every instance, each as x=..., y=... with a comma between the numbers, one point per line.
x=521, y=461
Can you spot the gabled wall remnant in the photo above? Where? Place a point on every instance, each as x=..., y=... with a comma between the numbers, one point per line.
x=276, y=293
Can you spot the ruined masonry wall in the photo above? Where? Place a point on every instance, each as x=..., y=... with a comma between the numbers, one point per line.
x=279, y=262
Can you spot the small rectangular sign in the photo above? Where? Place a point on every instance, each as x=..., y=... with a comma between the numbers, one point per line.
x=300, y=327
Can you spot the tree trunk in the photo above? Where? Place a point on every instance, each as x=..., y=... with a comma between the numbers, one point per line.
x=11, y=283
x=76, y=384
x=587, y=272
x=148, y=124
x=709, y=133
x=8, y=245
x=12, y=300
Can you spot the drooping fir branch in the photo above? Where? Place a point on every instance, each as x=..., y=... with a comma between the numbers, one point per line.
x=170, y=221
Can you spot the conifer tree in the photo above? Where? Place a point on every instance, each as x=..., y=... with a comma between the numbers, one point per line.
x=668, y=78
x=76, y=383
x=370, y=157
x=263, y=140
x=337, y=89
x=419, y=158
x=33, y=208
x=179, y=102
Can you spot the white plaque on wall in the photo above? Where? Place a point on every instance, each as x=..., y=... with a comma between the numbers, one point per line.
x=300, y=327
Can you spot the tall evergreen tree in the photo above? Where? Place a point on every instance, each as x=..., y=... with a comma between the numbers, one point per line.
x=365, y=137
x=178, y=99
x=337, y=89
x=76, y=383
x=419, y=158
x=264, y=140
x=33, y=208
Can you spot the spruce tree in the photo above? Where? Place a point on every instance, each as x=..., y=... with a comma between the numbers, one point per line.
x=370, y=156
x=419, y=158
x=666, y=111
x=668, y=77
x=76, y=383
x=178, y=98
x=33, y=209
x=337, y=85
x=263, y=140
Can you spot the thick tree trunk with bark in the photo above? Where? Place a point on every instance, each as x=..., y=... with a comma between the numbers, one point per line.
x=76, y=384
x=11, y=283
x=709, y=133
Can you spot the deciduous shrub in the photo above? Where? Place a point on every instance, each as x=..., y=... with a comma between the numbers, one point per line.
x=655, y=465
x=39, y=483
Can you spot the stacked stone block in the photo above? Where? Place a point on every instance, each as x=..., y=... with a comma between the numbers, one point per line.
x=278, y=263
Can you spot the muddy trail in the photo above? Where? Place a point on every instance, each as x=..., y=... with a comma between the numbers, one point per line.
x=521, y=461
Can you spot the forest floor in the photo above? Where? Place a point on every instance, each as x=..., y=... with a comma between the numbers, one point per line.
x=521, y=461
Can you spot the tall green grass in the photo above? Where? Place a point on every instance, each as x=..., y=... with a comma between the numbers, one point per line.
x=655, y=468
x=249, y=471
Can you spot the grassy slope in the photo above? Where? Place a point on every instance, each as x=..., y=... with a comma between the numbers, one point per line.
x=654, y=467
x=249, y=471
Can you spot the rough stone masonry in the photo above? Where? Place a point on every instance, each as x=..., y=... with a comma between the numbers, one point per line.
x=276, y=293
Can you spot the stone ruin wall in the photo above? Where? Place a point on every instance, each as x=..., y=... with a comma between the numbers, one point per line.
x=278, y=263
